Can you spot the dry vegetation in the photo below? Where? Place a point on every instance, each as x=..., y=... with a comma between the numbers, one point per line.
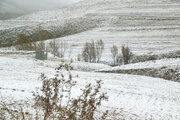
x=54, y=101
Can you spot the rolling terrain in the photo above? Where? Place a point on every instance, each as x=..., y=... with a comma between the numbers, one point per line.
x=148, y=27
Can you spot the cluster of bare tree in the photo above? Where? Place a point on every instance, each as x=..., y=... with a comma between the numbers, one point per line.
x=92, y=51
x=119, y=59
x=58, y=49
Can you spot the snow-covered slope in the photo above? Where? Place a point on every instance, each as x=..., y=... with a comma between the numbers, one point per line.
x=148, y=26
x=134, y=97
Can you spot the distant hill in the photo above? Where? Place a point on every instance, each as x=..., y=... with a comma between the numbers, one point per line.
x=153, y=24
x=9, y=11
x=14, y=8
x=10, y=15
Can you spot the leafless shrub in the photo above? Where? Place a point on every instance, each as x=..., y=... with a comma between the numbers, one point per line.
x=12, y=113
x=92, y=52
x=56, y=102
x=114, y=52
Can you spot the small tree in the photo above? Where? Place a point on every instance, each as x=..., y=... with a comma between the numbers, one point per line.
x=126, y=53
x=114, y=52
x=54, y=48
x=87, y=52
x=99, y=49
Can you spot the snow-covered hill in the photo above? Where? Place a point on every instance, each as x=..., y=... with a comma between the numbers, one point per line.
x=148, y=26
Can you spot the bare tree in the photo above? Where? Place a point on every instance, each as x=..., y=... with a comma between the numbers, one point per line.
x=57, y=49
x=87, y=52
x=114, y=52
x=54, y=48
x=99, y=49
x=92, y=52
x=126, y=53
x=63, y=48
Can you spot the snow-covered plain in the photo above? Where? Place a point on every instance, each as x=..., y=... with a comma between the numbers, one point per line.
x=134, y=97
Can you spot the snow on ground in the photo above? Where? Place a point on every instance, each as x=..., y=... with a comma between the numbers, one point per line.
x=137, y=97
x=147, y=27
x=170, y=62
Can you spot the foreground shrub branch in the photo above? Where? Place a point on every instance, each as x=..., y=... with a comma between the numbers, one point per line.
x=56, y=102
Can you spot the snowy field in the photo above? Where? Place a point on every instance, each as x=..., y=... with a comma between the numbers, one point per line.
x=147, y=27
x=134, y=97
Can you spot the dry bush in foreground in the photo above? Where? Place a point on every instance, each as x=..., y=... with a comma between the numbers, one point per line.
x=54, y=101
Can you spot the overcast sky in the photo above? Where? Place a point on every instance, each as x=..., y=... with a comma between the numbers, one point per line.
x=39, y=4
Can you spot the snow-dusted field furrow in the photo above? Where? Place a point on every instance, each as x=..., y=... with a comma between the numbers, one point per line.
x=137, y=97
x=171, y=63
